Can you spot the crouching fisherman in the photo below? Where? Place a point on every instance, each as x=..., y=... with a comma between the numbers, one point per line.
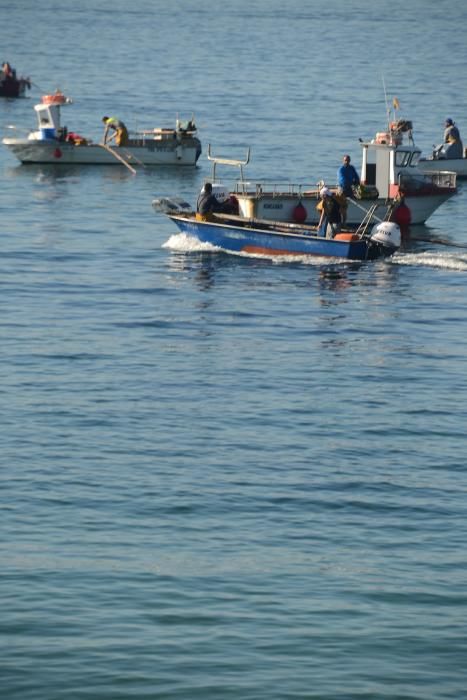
x=330, y=214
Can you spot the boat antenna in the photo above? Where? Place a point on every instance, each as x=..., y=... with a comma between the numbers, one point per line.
x=388, y=108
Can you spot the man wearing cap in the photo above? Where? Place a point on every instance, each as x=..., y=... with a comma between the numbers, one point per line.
x=118, y=127
x=347, y=177
x=452, y=147
x=330, y=215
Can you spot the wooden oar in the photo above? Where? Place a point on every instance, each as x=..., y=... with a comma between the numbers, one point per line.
x=118, y=157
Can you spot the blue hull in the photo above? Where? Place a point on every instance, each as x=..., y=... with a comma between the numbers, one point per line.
x=258, y=240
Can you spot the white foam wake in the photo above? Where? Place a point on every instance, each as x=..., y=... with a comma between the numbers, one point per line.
x=443, y=261
x=183, y=243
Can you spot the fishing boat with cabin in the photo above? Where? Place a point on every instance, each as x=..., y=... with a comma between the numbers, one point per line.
x=53, y=143
x=390, y=177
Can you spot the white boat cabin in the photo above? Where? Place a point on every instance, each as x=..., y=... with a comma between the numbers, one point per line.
x=390, y=163
x=48, y=117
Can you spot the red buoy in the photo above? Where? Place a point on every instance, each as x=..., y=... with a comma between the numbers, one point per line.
x=57, y=153
x=299, y=213
x=402, y=216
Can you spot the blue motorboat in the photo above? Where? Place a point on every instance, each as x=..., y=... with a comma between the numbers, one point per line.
x=241, y=235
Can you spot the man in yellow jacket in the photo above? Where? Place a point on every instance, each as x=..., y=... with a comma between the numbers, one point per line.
x=118, y=127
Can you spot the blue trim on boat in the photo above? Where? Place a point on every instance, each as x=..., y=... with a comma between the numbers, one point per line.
x=265, y=240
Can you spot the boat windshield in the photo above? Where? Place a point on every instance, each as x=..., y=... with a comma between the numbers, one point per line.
x=405, y=159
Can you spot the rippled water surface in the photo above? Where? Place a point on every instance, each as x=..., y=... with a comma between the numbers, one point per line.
x=224, y=476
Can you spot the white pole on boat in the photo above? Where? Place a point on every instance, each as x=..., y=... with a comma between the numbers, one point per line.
x=388, y=109
x=118, y=157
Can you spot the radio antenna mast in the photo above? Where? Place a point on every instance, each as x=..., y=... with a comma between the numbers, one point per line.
x=388, y=108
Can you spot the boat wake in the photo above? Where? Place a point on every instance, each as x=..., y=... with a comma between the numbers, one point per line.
x=183, y=243
x=442, y=261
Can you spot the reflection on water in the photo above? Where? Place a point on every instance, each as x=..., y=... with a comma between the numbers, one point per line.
x=184, y=175
x=56, y=172
x=420, y=235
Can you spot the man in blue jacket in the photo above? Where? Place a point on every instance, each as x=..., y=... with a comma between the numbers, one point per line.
x=347, y=177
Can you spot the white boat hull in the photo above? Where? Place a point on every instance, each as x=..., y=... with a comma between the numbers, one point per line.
x=452, y=165
x=281, y=207
x=165, y=152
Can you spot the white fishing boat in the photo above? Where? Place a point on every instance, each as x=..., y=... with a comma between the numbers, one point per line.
x=438, y=161
x=390, y=177
x=53, y=143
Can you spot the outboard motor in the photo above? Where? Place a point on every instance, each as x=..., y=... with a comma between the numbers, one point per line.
x=385, y=239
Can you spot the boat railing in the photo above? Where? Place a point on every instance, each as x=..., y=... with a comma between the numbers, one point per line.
x=144, y=135
x=220, y=160
x=276, y=189
x=249, y=188
x=444, y=179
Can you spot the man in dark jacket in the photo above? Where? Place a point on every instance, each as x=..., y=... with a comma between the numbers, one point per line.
x=207, y=203
x=330, y=214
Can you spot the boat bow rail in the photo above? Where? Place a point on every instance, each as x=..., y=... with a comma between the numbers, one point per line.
x=276, y=189
x=439, y=179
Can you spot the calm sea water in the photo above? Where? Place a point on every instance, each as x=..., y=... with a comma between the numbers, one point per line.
x=229, y=477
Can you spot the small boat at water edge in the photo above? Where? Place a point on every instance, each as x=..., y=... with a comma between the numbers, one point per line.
x=238, y=234
x=53, y=143
x=10, y=84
